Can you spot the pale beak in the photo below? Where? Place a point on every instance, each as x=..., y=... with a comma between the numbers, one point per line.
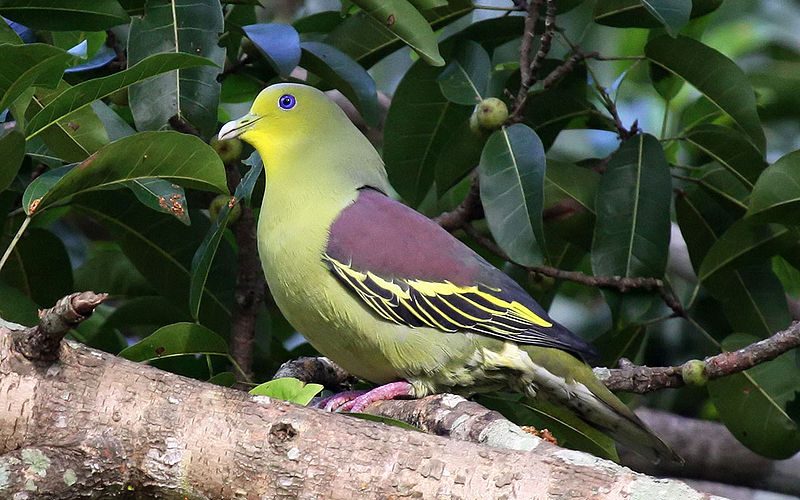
x=235, y=128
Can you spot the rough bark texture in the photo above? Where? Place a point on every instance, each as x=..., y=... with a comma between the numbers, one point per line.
x=92, y=425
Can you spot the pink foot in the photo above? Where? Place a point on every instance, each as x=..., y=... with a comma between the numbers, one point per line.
x=385, y=392
x=334, y=402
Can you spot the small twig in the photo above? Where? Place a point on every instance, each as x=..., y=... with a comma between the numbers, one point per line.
x=643, y=379
x=179, y=124
x=41, y=342
x=567, y=67
x=468, y=210
x=528, y=33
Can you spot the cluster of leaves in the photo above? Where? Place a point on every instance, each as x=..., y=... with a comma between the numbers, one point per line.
x=105, y=197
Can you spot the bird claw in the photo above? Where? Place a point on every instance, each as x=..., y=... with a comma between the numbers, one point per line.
x=357, y=401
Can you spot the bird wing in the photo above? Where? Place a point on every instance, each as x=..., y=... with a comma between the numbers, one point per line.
x=410, y=271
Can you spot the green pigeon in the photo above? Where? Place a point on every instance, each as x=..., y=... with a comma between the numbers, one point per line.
x=388, y=294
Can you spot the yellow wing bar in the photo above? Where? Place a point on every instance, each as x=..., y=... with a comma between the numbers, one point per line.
x=444, y=306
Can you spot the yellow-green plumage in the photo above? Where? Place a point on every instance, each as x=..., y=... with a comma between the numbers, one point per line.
x=436, y=328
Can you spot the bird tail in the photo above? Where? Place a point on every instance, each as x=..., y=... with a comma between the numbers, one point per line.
x=560, y=378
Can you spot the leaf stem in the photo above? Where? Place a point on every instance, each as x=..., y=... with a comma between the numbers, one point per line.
x=14, y=241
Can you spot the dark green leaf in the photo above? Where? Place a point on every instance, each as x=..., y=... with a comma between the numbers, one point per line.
x=189, y=26
x=632, y=231
x=12, y=151
x=175, y=340
x=108, y=269
x=752, y=404
x=173, y=156
x=752, y=298
x=745, y=242
x=635, y=14
x=419, y=124
x=39, y=267
x=201, y=263
x=162, y=196
x=25, y=66
x=288, y=389
x=720, y=183
x=83, y=94
x=225, y=379
x=553, y=110
x=700, y=111
x=714, y=75
x=161, y=249
x=730, y=149
x=61, y=15
x=75, y=136
x=673, y=14
x=279, y=43
x=17, y=307
x=428, y=4
x=149, y=311
x=776, y=195
x=459, y=155
x=346, y=75
x=464, y=79
x=321, y=22
x=512, y=170
x=402, y=19
x=367, y=40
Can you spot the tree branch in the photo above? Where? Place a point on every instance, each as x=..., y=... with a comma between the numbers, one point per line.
x=249, y=291
x=643, y=379
x=105, y=425
x=41, y=342
x=468, y=210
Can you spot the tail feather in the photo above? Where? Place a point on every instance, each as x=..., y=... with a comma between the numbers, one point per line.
x=558, y=378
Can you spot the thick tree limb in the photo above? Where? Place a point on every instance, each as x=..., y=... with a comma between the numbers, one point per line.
x=96, y=425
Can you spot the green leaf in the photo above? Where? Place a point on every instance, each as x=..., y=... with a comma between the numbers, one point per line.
x=107, y=268
x=201, y=263
x=402, y=19
x=511, y=171
x=368, y=40
x=720, y=183
x=25, y=66
x=168, y=155
x=419, y=123
x=75, y=136
x=192, y=94
x=776, y=195
x=752, y=404
x=161, y=249
x=17, y=307
x=162, y=196
x=339, y=70
x=673, y=14
x=83, y=94
x=745, y=242
x=752, y=298
x=225, y=379
x=288, y=389
x=631, y=236
x=428, y=4
x=39, y=267
x=61, y=15
x=553, y=110
x=458, y=157
x=715, y=76
x=730, y=149
x=578, y=183
x=636, y=13
x=176, y=340
x=464, y=79
x=12, y=151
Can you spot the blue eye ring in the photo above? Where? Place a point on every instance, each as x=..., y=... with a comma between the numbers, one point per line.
x=287, y=101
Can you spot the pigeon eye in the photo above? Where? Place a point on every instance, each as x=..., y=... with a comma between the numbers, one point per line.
x=287, y=101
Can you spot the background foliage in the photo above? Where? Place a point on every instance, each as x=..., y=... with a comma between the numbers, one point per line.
x=673, y=125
